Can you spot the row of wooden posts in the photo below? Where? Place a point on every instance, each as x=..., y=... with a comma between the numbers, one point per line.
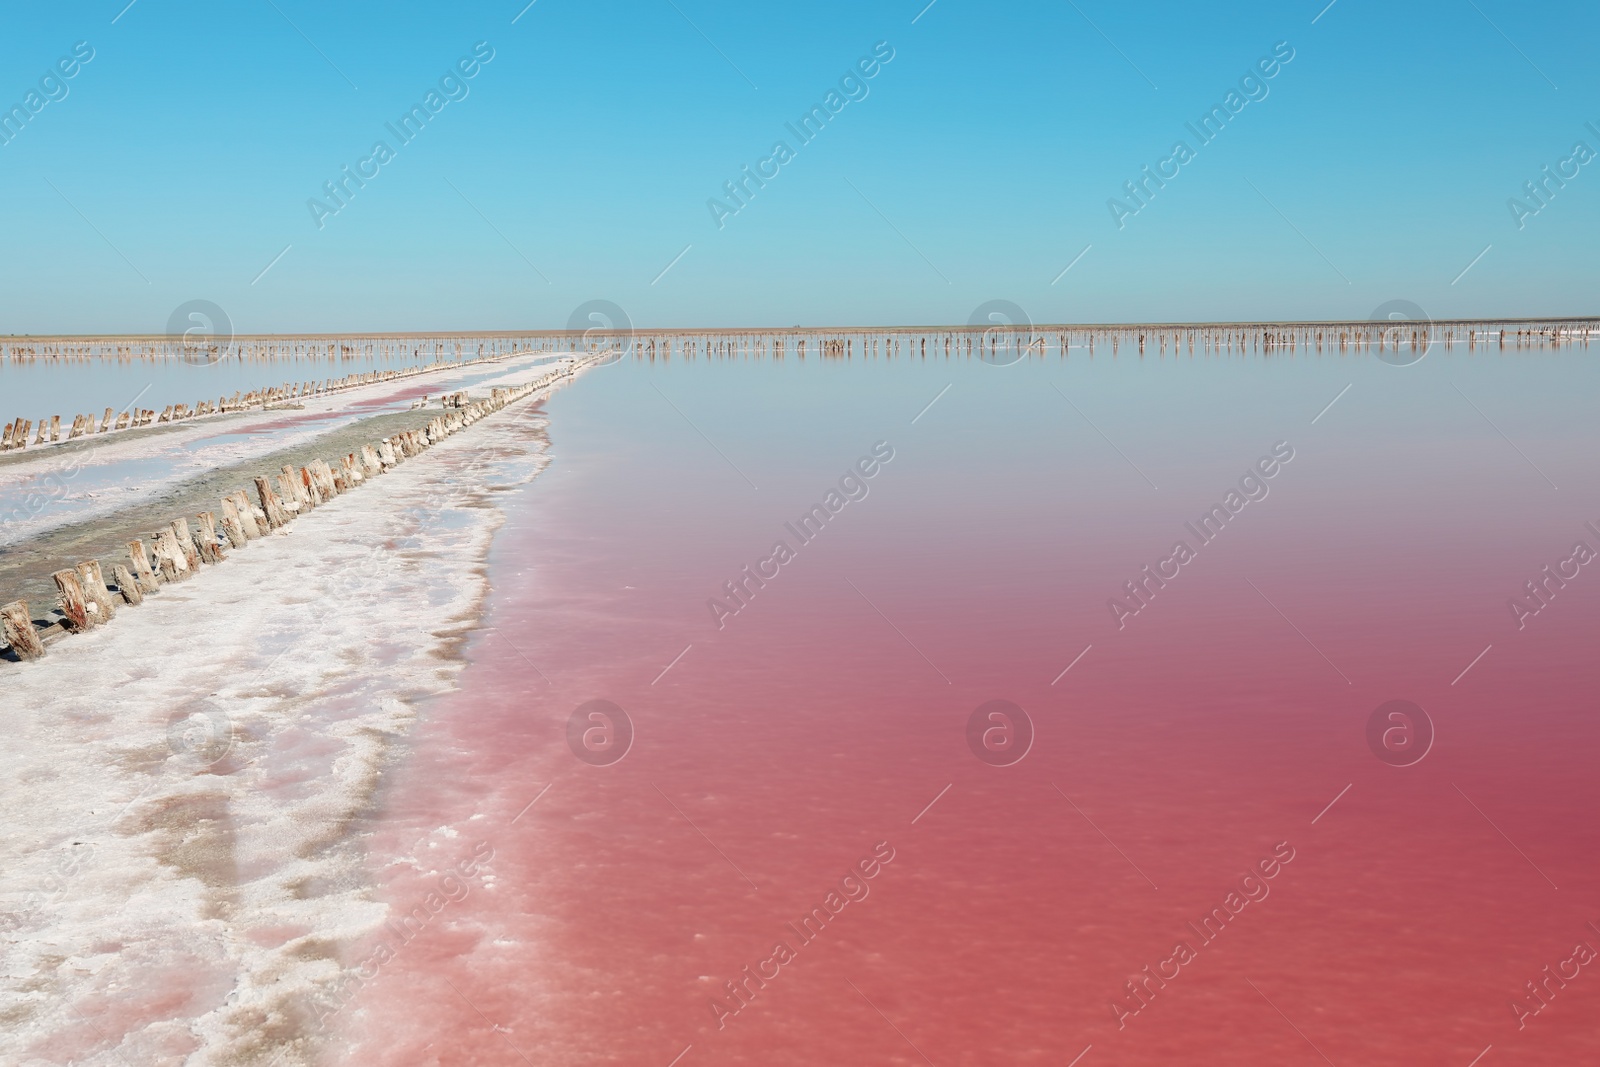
x=156, y=350
x=16, y=433
x=176, y=552
x=1209, y=339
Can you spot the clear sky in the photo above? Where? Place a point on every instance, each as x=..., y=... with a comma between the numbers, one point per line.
x=975, y=164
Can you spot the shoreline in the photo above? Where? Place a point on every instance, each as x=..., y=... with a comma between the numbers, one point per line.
x=37, y=480
x=130, y=419
x=233, y=855
x=26, y=566
x=68, y=506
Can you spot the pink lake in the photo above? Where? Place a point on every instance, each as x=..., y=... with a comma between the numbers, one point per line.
x=1052, y=910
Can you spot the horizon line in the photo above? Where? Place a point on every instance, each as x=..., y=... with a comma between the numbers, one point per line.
x=1560, y=320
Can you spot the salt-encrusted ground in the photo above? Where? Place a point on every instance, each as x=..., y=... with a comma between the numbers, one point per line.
x=53, y=485
x=175, y=868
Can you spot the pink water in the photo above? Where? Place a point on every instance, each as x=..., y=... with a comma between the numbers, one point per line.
x=1222, y=727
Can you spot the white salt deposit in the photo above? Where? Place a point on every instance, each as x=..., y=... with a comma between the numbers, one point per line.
x=177, y=870
x=55, y=486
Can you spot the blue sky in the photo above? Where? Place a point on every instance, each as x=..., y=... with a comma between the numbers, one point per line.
x=977, y=166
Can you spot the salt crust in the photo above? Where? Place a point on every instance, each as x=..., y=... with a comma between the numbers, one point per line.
x=162, y=904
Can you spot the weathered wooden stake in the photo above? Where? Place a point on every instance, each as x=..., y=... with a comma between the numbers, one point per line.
x=19, y=631
x=297, y=490
x=211, y=549
x=324, y=475
x=232, y=525
x=170, y=556
x=94, y=588
x=288, y=495
x=127, y=584
x=312, y=485
x=143, y=575
x=277, y=517
x=73, y=603
x=186, y=543
x=251, y=518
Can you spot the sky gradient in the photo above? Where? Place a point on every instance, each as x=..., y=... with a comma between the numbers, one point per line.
x=976, y=164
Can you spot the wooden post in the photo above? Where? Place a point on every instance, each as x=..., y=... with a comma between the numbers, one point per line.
x=296, y=488
x=94, y=588
x=325, y=479
x=55, y=428
x=328, y=479
x=186, y=543
x=127, y=584
x=74, y=605
x=232, y=525
x=251, y=518
x=288, y=495
x=19, y=631
x=312, y=484
x=143, y=576
x=205, y=551
x=170, y=557
x=105, y=423
x=370, y=461
x=211, y=549
x=386, y=455
x=277, y=517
